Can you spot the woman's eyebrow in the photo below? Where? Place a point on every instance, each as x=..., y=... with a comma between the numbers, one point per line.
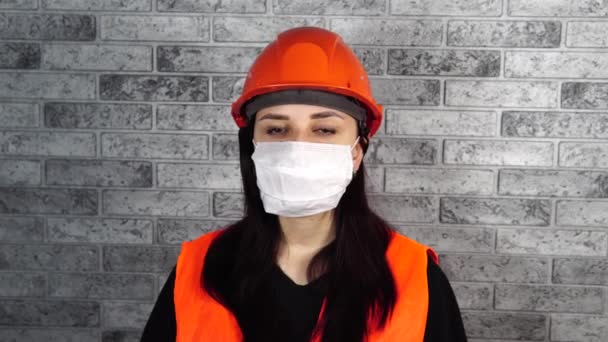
x=319, y=115
x=274, y=116
x=325, y=114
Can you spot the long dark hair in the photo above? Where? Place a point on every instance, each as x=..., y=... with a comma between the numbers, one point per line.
x=360, y=283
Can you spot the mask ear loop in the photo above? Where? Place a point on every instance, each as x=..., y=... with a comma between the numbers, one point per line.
x=354, y=144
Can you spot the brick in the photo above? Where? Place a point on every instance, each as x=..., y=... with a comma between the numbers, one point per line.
x=473, y=296
x=96, y=230
x=148, y=202
x=96, y=57
x=406, y=91
x=435, y=181
x=374, y=178
x=494, y=268
x=154, y=88
x=453, y=239
x=584, y=95
x=21, y=229
x=126, y=315
x=558, y=8
x=97, y=115
x=136, y=145
x=205, y=58
x=22, y=284
x=97, y=5
x=199, y=176
x=8, y=334
x=414, y=209
x=49, y=313
x=19, y=55
x=549, y=298
x=584, y=154
x=440, y=122
x=19, y=172
x=225, y=147
x=228, y=204
x=444, y=62
x=47, y=85
x=155, y=28
x=505, y=325
x=101, y=286
x=525, y=212
x=99, y=173
x=14, y=172
x=257, y=29
x=500, y=94
x=227, y=88
x=329, y=7
x=554, y=124
x=77, y=27
x=556, y=64
x=172, y=231
x=553, y=183
x=48, y=201
x=496, y=152
x=19, y=115
x=139, y=258
x=582, y=213
x=47, y=143
x=39, y=257
x=238, y=6
x=588, y=271
x=558, y=242
x=566, y=327
x=382, y=129
x=194, y=117
x=511, y=33
x=372, y=60
x=388, y=31
x=402, y=151
x=586, y=34
x=491, y=8
x=19, y=4
x=120, y=335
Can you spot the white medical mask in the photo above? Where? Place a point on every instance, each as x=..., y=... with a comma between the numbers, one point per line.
x=298, y=178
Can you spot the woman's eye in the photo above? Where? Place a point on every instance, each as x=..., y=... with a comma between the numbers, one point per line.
x=273, y=130
x=326, y=131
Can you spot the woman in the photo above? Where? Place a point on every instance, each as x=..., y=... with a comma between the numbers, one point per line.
x=310, y=261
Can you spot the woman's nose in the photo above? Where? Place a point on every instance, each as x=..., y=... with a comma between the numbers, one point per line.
x=298, y=135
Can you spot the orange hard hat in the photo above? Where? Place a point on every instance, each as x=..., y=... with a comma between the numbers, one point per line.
x=309, y=58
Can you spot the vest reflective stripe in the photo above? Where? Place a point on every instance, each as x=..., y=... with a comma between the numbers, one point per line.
x=201, y=318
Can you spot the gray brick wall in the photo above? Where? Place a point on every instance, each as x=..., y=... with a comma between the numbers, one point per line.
x=116, y=145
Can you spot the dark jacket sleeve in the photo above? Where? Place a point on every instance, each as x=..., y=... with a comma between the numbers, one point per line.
x=161, y=324
x=444, y=322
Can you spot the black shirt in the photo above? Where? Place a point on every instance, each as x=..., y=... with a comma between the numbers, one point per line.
x=301, y=304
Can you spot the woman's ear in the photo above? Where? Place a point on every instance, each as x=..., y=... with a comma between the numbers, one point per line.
x=357, y=156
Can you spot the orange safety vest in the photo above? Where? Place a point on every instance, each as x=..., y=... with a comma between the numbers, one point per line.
x=201, y=318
